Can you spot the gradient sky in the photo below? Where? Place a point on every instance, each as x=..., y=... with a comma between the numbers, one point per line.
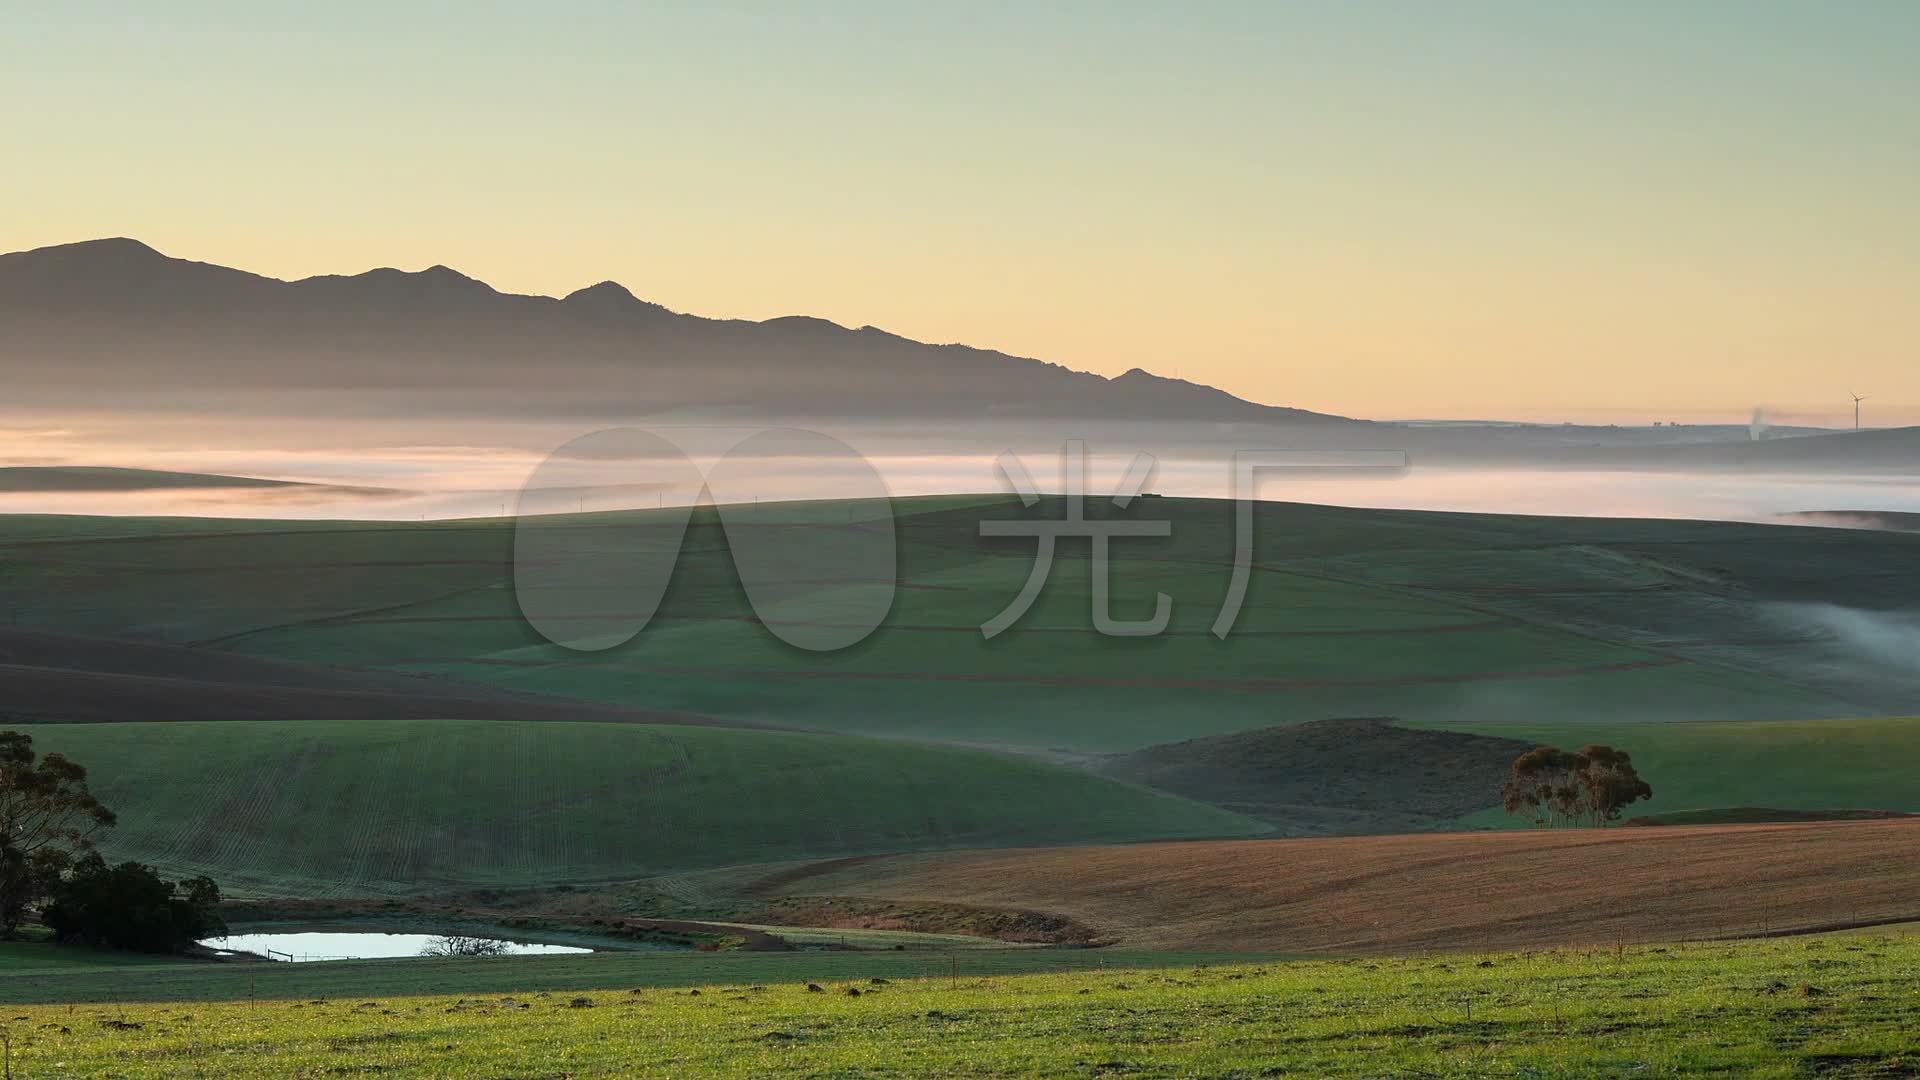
x=1602, y=211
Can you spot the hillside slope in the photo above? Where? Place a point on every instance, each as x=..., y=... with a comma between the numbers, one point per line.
x=62, y=678
x=355, y=808
x=1431, y=617
x=1332, y=776
x=67, y=478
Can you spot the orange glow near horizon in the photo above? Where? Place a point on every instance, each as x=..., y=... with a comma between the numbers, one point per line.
x=1625, y=214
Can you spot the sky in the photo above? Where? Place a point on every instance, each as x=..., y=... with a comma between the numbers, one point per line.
x=1618, y=212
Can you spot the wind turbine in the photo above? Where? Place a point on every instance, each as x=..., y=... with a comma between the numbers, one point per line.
x=1857, y=399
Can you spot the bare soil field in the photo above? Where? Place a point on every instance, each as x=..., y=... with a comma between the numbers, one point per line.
x=1473, y=891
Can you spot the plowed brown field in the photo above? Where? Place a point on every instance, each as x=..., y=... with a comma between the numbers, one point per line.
x=1435, y=891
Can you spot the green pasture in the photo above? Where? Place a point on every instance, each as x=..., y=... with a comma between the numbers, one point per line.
x=1784, y=1008
x=331, y=808
x=1441, y=617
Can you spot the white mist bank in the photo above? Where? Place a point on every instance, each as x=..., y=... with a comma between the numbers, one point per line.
x=1888, y=639
x=491, y=486
x=446, y=471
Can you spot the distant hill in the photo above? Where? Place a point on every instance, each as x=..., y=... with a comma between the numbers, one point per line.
x=115, y=317
x=1705, y=448
x=1885, y=448
x=60, y=478
x=1894, y=520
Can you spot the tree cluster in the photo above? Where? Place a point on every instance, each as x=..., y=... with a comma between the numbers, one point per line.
x=47, y=818
x=130, y=907
x=1589, y=786
x=462, y=945
x=48, y=821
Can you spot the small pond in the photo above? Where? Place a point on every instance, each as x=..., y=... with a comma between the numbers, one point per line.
x=327, y=945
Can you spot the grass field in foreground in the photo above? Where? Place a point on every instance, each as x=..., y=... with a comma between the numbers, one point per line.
x=1791, y=765
x=1828, y=1007
x=367, y=808
x=37, y=956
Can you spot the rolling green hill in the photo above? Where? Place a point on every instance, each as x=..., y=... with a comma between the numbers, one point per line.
x=331, y=808
x=1428, y=616
x=1642, y=633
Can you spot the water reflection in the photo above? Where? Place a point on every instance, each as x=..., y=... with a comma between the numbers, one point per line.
x=298, y=947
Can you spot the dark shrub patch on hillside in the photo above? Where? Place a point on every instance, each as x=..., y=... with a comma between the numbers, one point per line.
x=1332, y=776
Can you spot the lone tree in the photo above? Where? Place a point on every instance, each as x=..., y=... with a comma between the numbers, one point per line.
x=47, y=819
x=1541, y=785
x=462, y=945
x=1591, y=785
x=1609, y=781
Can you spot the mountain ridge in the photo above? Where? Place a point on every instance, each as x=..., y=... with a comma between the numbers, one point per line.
x=74, y=310
x=115, y=324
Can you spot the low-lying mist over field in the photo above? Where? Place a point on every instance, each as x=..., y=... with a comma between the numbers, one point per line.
x=447, y=468
x=1875, y=643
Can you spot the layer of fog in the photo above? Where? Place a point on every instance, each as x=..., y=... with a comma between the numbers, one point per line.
x=1877, y=641
x=447, y=469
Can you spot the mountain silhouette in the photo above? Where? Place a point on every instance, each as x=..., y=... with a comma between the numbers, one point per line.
x=107, y=321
